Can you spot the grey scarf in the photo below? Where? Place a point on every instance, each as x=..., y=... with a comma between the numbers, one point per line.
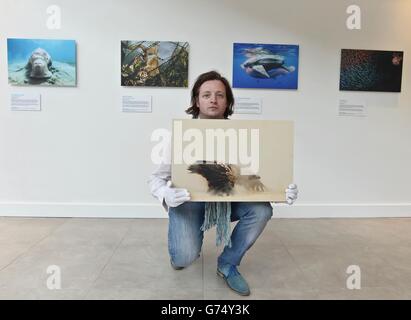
x=219, y=214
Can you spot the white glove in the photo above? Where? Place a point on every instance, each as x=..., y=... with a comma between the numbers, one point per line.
x=175, y=196
x=291, y=193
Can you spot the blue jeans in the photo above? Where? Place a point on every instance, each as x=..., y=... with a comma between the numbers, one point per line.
x=185, y=238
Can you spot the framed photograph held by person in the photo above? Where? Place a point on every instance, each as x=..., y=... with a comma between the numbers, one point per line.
x=233, y=160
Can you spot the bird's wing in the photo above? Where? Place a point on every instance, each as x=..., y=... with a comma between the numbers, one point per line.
x=219, y=176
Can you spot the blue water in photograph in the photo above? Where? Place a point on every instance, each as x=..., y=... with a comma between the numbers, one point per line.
x=272, y=66
x=41, y=62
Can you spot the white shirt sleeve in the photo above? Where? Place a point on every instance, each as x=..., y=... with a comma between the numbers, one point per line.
x=159, y=177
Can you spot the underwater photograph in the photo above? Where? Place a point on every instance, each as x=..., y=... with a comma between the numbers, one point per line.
x=272, y=66
x=154, y=63
x=371, y=70
x=41, y=62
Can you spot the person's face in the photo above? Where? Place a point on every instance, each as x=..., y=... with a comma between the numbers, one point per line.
x=212, y=100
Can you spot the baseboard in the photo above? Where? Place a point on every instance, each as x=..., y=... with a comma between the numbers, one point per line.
x=153, y=210
x=344, y=210
x=82, y=210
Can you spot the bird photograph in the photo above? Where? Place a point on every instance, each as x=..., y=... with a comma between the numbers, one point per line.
x=222, y=179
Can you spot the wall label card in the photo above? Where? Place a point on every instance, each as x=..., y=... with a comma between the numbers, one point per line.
x=25, y=102
x=247, y=105
x=139, y=104
x=351, y=108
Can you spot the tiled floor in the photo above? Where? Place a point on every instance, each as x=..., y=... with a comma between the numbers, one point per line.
x=128, y=259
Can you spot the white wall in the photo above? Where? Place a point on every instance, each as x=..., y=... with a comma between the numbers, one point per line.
x=81, y=156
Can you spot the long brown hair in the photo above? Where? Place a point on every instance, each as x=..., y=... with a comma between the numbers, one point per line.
x=194, y=110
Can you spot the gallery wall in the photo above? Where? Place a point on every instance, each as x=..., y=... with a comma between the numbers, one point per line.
x=82, y=156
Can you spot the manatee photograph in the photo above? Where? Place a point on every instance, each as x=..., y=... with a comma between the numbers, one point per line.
x=41, y=62
x=154, y=63
x=371, y=70
x=272, y=66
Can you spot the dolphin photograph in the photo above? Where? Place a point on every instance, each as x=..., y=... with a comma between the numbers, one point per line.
x=272, y=66
x=41, y=62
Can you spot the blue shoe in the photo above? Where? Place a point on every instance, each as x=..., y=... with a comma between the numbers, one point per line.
x=233, y=279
